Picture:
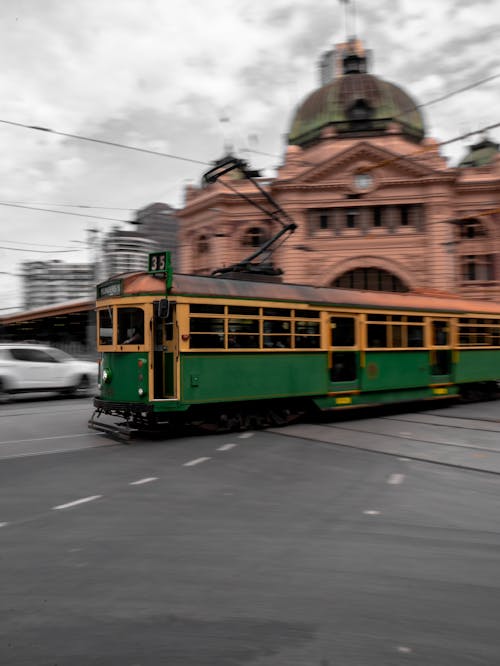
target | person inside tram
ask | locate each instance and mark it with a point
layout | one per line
(135, 331)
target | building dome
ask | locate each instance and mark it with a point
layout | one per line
(480, 154)
(356, 104)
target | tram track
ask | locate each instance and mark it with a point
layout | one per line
(443, 448)
(416, 441)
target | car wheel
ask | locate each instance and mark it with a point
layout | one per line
(81, 387)
(4, 396)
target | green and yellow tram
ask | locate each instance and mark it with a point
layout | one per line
(235, 353)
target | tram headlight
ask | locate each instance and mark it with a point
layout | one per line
(106, 375)
(141, 392)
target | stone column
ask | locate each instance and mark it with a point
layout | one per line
(440, 251)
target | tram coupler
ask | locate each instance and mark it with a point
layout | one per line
(122, 431)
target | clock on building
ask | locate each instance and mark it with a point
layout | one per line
(363, 181)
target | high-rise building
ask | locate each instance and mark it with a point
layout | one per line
(123, 251)
(158, 222)
(48, 282)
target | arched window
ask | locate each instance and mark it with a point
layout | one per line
(202, 244)
(370, 279)
(254, 237)
(478, 268)
(471, 228)
(360, 110)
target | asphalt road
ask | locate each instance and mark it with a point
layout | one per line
(297, 546)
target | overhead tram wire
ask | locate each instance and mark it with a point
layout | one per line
(66, 205)
(64, 247)
(62, 212)
(469, 86)
(449, 94)
(113, 144)
(412, 156)
(24, 249)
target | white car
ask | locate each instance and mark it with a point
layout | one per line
(32, 368)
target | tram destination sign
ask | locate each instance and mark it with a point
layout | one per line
(108, 289)
(160, 262)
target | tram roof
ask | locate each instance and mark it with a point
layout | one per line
(195, 285)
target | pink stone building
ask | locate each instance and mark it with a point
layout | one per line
(377, 206)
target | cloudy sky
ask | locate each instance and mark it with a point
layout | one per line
(187, 76)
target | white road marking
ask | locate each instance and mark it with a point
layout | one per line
(196, 461)
(226, 447)
(148, 479)
(76, 502)
(406, 434)
(371, 512)
(246, 435)
(41, 439)
(403, 649)
(396, 479)
(3, 524)
(404, 459)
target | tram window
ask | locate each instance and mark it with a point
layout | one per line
(307, 341)
(307, 314)
(277, 341)
(377, 335)
(130, 326)
(105, 327)
(415, 336)
(397, 336)
(242, 341)
(205, 308)
(440, 333)
(243, 326)
(377, 317)
(242, 310)
(276, 312)
(413, 318)
(206, 341)
(276, 326)
(343, 331)
(307, 328)
(206, 325)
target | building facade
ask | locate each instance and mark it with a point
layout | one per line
(49, 282)
(158, 222)
(377, 206)
(123, 251)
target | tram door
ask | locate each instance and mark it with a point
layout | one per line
(343, 353)
(440, 353)
(165, 351)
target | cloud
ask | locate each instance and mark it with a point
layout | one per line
(160, 75)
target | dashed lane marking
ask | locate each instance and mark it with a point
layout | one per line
(395, 479)
(3, 524)
(371, 512)
(82, 500)
(196, 461)
(226, 447)
(246, 435)
(41, 439)
(148, 479)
